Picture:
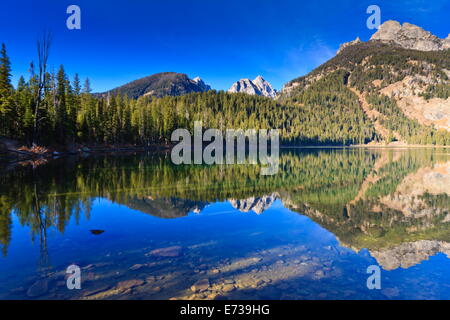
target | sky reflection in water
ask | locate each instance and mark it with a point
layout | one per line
(308, 233)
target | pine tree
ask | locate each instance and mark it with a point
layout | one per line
(76, 85)
(5, 71)
(24, 100)
(61, 108)
(87, 86)
(8, 117)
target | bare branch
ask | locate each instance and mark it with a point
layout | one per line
(43, 50)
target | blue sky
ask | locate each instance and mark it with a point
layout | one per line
(220, 41)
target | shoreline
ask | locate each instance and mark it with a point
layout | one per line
(11, 154)
(368, 147)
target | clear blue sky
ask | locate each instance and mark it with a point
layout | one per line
(220, 41)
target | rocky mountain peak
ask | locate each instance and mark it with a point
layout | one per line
(244, 85)
(256, 204)
(259, 86)
(160, 85)
(259, 79)
(409, 36)
(201, 84)
(347, 44)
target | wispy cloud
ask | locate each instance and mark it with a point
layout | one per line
(302, 59)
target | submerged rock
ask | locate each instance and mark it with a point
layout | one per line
(228, 288)
(156, 289)
(95, 291)
(127, 284)
(136, 267)
(174, 251)
(391, 292)
(88, 267)
(319, 274)
(96, 232)
(18, 290)
(200, 285)
(39, 288)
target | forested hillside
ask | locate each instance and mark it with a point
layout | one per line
(386, 74)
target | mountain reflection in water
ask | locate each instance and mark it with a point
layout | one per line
(205, 232)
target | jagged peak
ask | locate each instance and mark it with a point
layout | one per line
(201, 84)
(259, 86)
(408, 36)
(347, 44)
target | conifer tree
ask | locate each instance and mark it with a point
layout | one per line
(8, 117)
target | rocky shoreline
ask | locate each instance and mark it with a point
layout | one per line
(13, 153)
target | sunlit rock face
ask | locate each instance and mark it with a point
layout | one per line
(256, 204)
(264, 87)
(245, 86)
(409, 254)
(259, 86)
(407, 92)
(407, 36)
(410, 36)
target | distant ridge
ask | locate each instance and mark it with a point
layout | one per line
(161, 84)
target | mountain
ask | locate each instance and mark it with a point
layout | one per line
(258, 86)
(399, 80)
(409, 36)
(161, 84)
(348, 44)
(202, 85)
(256, 204)
(167, 208)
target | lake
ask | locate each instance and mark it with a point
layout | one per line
(139, 227)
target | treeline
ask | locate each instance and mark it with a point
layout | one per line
(61, 111)
(51, 109)
(48, 108)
